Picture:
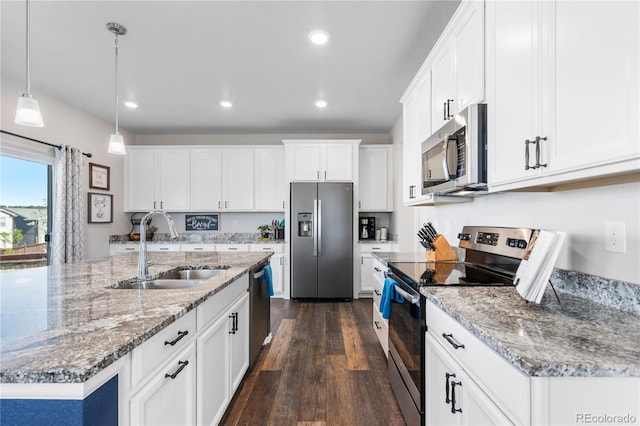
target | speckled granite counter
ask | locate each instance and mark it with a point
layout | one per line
(60, 324)
(577, 337)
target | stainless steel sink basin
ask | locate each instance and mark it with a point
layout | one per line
(193, 274)
(161, 284)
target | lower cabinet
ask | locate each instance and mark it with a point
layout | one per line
(169, 397)
(380, 325)
(453, 398)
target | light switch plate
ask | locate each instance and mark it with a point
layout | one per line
(615, 240)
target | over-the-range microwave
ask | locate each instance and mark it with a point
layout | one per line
(454, 159)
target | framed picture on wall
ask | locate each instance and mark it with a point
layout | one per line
(98, 176)
(100, 208)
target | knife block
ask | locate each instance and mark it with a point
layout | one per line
(443, 251)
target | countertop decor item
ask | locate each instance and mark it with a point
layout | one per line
(264, 232)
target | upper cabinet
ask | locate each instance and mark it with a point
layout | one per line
(376, 178)
(157, 178)
(562, 91)
(205, 178)
(321, 160)
(457, 64)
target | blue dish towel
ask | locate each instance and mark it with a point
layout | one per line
(266, 279)
(388, 294)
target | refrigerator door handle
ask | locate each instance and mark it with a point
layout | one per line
(315, 225)
(319, 220)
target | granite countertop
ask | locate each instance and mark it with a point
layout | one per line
(377, 242)
(576, 337)
(60, 324)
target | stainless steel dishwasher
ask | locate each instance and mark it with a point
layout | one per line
(260, 313)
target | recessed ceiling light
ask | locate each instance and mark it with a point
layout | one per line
(226, 104)
(319, 37)
(130, 104)
(321, 104)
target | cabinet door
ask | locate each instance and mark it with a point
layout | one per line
(238, 172)
(277, 273)
(269, 179)
(423, 117)
(206, 179)
(169, 398)
(439, 373)
(239, 342)
(173, 177)
(596, 89)
(514, 87)
(443, 93)
(375, 183)
(468, 37)
(140, 180)
(366, 273)
(303, 162)
(410, 151)
(214, 380)
(337, 162)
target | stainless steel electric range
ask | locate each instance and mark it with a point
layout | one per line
(492, 257)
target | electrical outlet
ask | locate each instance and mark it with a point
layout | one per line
(615, 240)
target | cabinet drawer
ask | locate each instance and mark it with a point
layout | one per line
(232, 247)
(198, 247)
(163, 247)
(161, 347)
(276, 248)
(220, 302)
(123, 248)
(378, 273)
(505, 385)
(381, 327)
(374, 248)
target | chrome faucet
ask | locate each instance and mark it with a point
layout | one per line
(143, 266)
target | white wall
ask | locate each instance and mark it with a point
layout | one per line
(67, 125)
(581, 213)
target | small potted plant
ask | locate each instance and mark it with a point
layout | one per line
(264, 232)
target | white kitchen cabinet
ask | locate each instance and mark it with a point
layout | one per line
(453, 398)
(321, 160)
(366, 251)
(157, 178)
(169, 397)
(232, 247)
(159, 247)
(222, 179)
(239, 342)
(276, 262)
(270, 188)
(550, 83)
(123, 248)
(457, 64)
(206, 179)
(380, 325)
(411, 157)
(198, 247)
(376, 178)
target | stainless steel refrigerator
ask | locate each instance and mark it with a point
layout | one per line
(322, 240)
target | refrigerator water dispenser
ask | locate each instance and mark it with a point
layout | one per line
(305, 225)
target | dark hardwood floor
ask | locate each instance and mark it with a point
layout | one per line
(324, 366)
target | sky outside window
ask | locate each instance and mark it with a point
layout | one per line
(22, 183)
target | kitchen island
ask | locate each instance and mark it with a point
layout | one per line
(66, 332)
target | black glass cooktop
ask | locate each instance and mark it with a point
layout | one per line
(449, 274)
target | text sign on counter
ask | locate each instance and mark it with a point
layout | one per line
(201, 222)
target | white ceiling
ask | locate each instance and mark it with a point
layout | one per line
(179, 59)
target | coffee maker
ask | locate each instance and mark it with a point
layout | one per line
(367, 229)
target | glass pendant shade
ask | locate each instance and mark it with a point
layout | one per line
(28, 112)
(116, 144)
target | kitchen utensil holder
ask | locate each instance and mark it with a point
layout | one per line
(443, 251)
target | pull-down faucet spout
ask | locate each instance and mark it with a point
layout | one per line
(143, 266)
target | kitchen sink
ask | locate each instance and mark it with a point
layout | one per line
(160, 284)
(194, 274)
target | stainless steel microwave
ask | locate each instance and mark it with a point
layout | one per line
(454, 159)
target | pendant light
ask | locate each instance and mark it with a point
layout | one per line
(116, 141)
(28, 110)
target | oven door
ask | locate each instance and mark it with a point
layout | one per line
(406, 353)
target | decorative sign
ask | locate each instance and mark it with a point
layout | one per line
(201, 222)
(98, 176)
(100, 208)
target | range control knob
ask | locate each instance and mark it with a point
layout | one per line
(464, 237)
(512, 242)
(522, 244)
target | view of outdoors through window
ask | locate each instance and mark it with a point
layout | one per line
(24, 214)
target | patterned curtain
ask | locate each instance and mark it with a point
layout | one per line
(67, 243)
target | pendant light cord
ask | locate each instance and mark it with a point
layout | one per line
(117, 84)
(28, 49)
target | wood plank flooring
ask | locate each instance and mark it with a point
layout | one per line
(324, 366)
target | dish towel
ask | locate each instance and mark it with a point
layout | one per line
(388, 294)
(266, 279)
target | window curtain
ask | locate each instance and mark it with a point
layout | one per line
(67, 243)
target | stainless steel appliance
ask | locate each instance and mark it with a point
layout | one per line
(491, 259)
(259, 313)
(454, 159)
(322, 240)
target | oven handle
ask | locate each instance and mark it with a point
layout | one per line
(414, 299)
